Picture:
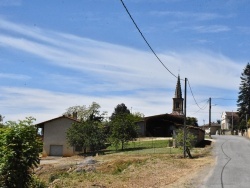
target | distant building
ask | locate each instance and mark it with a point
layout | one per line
(228, 120)
(54, 136)
(213, 129)
(162, 125)
(165, 125)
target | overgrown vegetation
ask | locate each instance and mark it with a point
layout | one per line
(123, 169)
(190, 138)
(133, 166)
(19, 153)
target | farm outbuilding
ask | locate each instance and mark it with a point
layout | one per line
(54, 136)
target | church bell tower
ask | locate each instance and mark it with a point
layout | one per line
(178, 100)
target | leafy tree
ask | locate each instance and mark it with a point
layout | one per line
(120, 109)
(19, 153)
(192, 121)
(190, 138)
(83, 112)
(242, 125)
(78, 110)
(243, 101)
(87, 134)
(218, 121)
(122, 129)
(234, 122)
(90, 131)
(138, 116)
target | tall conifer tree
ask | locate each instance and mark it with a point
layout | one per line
(243, 101)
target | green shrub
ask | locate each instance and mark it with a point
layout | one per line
(19, 153)
(190, 138)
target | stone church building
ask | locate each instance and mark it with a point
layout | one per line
(163, 125)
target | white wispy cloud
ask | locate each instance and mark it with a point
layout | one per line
(37, 102)
(18, 103)
(191, 16)
(10, 2)
(202, 41)
(196, 21)
(211, 28)
(14, 76)
(142, 81)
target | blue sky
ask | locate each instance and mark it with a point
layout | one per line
(57, 54)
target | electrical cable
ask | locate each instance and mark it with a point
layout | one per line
(193, 95)
(203, 108)
(225, 99)
(125, 7)
(206, 100)
(146, 39)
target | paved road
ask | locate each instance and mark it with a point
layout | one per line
(232, 169)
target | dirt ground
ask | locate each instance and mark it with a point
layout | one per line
(137, 171)
(120, 170)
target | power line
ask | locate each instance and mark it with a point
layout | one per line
(194, 97)
(200, 112)
(225, 99)
(203, 108)
(146, 39)
(154, 51)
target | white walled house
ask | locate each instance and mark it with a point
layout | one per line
(227, 118)
(54, 136)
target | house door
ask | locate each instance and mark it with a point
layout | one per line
(56, 150)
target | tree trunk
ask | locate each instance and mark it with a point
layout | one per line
(122, 145)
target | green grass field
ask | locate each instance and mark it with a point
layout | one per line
(145, 147)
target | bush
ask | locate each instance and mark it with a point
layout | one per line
(190, 139)
(19, 153)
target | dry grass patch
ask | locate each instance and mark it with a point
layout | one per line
(126, 170)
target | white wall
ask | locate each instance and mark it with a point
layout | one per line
(55, 134)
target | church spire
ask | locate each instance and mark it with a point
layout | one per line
(178, 93)
(178, 100)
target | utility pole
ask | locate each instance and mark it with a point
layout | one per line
(209, 112)
(246, 126)
(210, 117)
(232, 123)
(185, 116)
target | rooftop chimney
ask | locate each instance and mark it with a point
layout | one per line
(75, 115)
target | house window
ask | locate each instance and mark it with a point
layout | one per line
(78, 148)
